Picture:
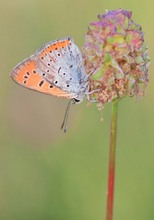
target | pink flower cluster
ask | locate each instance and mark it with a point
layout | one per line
(116, 55)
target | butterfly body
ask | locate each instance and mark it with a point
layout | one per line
(55, 69)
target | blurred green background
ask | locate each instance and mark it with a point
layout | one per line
(46, 174)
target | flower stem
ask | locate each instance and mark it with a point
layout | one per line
(112, 158)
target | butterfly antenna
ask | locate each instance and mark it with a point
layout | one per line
(64, 124)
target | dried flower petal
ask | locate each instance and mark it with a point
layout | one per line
(115, 52)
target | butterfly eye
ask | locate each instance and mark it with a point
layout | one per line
(77, 101)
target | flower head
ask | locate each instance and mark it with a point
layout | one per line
(116, 55)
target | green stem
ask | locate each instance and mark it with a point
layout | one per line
(112, 159)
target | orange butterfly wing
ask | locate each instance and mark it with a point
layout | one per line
(26, 75)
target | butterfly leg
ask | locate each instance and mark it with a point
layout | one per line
(91, 92)
(90, 74)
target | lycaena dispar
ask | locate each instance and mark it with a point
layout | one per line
(55, 69)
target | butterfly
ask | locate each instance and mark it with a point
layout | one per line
(55, 69)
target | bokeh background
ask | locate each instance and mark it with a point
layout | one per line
(46, 174)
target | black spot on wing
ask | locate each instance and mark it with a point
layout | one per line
(41, 83)
(59, 69)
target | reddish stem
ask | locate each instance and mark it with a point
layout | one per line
(112, 158)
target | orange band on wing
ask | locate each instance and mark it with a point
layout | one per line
(26, 75)
(56, 45)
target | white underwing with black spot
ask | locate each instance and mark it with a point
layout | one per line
(63, 67)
